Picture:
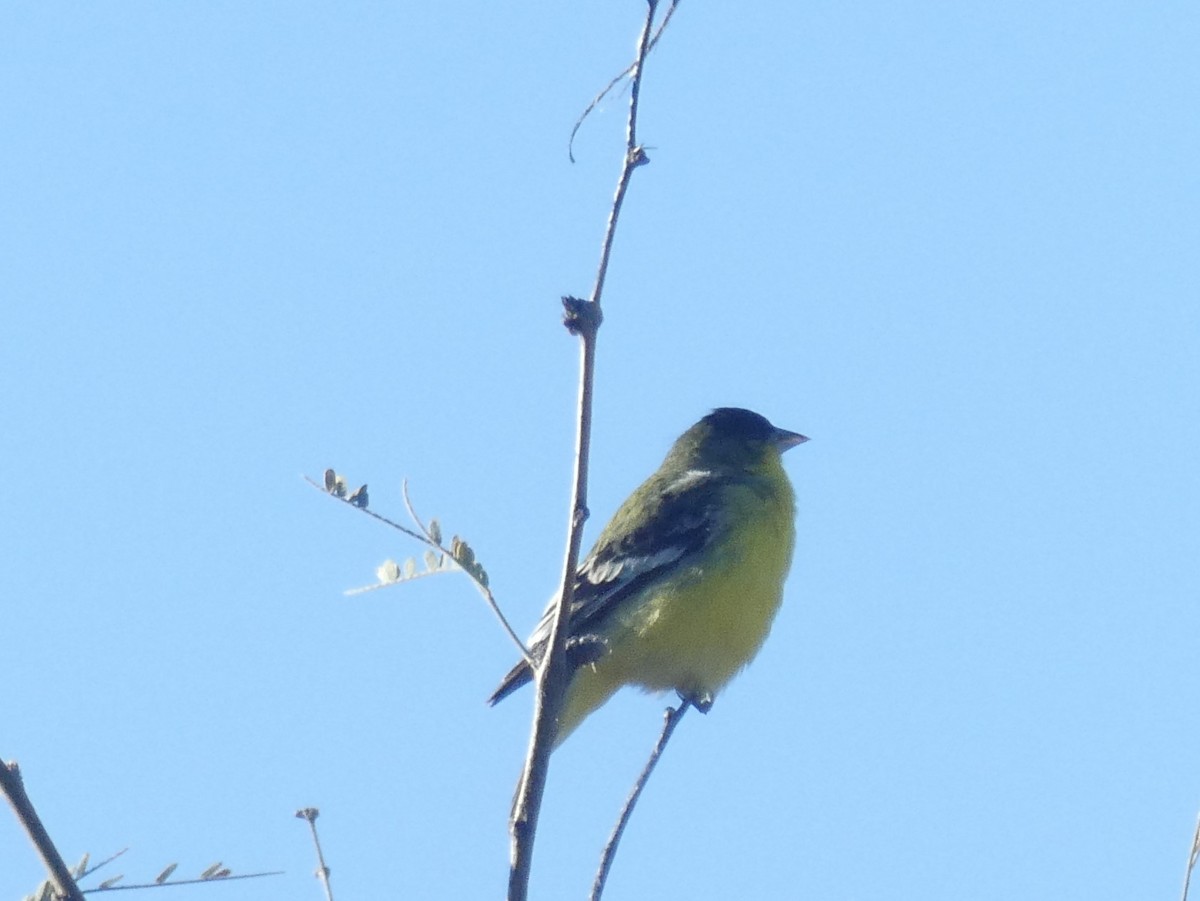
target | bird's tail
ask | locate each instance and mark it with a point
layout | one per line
(586, 693)
(519, 675)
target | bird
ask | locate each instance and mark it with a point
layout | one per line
(681, 587)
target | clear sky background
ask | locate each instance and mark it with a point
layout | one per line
(954, 243)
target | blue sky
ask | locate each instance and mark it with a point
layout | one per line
(955, 244)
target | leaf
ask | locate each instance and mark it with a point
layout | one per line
(208, 874)
(80, 868)
(388, 572)
(431, 561)
(165, 874)
(335, 484)
(109, 883)
(410, 568)
(462, 552)
(464, 556)
(435, 531)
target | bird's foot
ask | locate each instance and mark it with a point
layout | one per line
(702, 701)
(585, 649)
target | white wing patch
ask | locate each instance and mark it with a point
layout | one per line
(689, 479)
(630, 567)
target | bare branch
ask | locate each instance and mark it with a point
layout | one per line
(1193, 855)
(13, 788)
(671, 718)
(617, 80)
(582, 319)
(310, 814)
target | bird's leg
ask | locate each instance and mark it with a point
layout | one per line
(702, 701)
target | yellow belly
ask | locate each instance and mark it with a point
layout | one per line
(696, 631)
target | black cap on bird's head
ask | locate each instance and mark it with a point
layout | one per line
(731, 432)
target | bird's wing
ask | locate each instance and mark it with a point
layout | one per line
(657, 530)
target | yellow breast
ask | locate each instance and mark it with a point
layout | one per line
(694, 631)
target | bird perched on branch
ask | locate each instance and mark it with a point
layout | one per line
(681, 587)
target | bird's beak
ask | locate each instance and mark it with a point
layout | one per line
(783, 439)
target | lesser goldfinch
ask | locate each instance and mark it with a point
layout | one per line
(681, 587)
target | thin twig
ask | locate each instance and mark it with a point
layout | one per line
(229, 878)
(430, 540)
(425, 538)
(412, 513)
(383, 519)
(423, 574)
(92, 869)
(1192, 858)
(13, 789)
(582, 319)
(310, 814)
(671, 718)
(616, 80)
(635, 156)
